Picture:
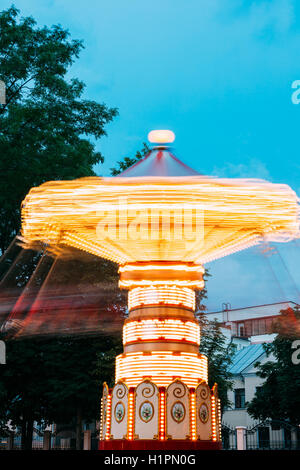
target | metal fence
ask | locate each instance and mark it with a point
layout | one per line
(267, 435)
(13, 442)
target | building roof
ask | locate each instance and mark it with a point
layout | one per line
(283, 303)
(159, 162)
(245, 357)
(255, 311)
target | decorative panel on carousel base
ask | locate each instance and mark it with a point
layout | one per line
(177, 411)
(203, 412)
(146, 411)
(119, 411)
(152, 418)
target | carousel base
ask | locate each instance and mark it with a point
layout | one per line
(146, 444)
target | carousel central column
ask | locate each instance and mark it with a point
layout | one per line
(161, 337)
(161, 391)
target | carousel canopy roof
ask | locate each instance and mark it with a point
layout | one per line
(158, 210)
(159, 162)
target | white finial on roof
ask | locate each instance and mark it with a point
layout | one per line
(161, 136)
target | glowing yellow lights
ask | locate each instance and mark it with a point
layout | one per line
(161, 230)
(130, 422)
(219, 420)
(193, 415)
(162, 280)
(158, 329)
(162, 367)
(213, 418)
(92, 247)
(161, 295)
(101, 420)
(108, 417)
(163, 136)
(162, 414)
(155, 218)
(145, 283)
(161, 267)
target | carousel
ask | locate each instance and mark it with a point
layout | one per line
(161, 221)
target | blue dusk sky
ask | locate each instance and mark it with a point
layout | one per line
(219, 73)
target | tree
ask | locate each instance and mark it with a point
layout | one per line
(57, 361)
(77, 368)
(21, 388)
(214, 346)
(51, 380)
(45, 123)
(128, 161)
(279, 396)
(219, 355)
(45, 126)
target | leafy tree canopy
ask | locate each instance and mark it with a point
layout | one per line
(45, 129)
(128, 161)
(45, 124)
(219, 353)
(214, 345)
(279, 396)
(52, 380)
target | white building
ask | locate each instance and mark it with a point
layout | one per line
(250, 321)
(245, 381)
(249, 328)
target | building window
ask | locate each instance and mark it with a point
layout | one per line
(241, 329)
(239, 398)
(255, 327)
(263, 437)
(262, 326)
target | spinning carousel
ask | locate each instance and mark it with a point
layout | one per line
(161, 221)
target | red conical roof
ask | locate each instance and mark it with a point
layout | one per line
(159, 162)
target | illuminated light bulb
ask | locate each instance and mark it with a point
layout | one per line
(163, 136)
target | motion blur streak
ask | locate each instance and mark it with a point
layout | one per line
(61, 296)
(124, 219)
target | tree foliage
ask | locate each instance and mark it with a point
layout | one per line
(279, 396)
(56, 374)
(45, 124)
(219, 355)
(53, 380)
(129, 161)
(45, 129)
(214, 345)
